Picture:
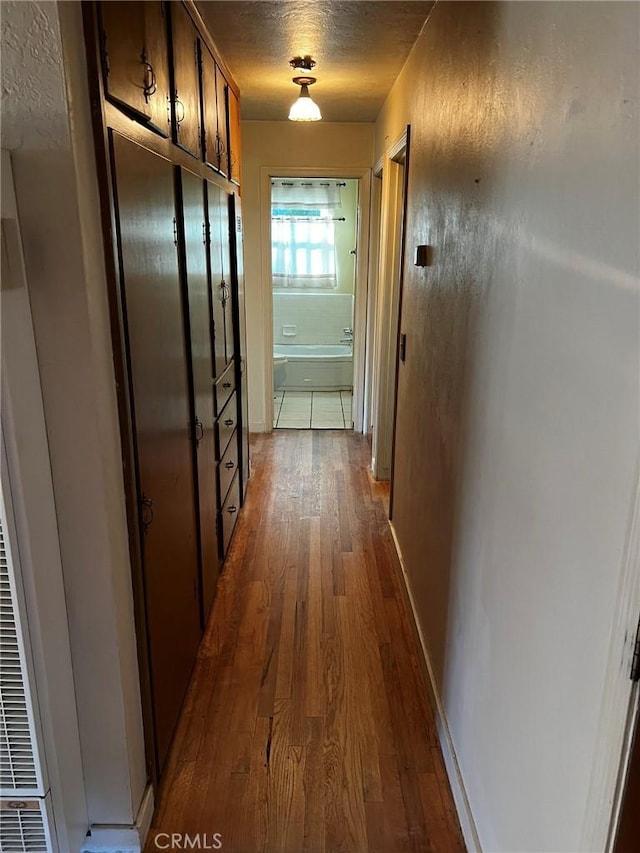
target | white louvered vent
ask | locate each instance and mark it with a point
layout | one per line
(18, 769)
(25, 817)
(24, 830)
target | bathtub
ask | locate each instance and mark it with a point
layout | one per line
(312, 368)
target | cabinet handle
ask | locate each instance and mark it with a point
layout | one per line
(232, 509)
(147, 513)
(220, 149)
(229, 465)
(226, 385)
(181, 105)
(150, 82)
(229, 422)
(199, 426)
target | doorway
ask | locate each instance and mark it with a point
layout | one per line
(360, 178)
(314, 225)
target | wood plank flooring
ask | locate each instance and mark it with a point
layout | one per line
(307, 726)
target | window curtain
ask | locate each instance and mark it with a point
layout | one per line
(324, 195)
(303, 234)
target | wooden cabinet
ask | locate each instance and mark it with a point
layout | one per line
(194, 260)
(240, 332)
(178, 320)
(157, 67)
(223, 130)
(229, 513)
(133, 42)
(186, 81)
(219, 270)
(227, 469)
(235, 150)
(226, 426)
(214, 115)
(159, 389)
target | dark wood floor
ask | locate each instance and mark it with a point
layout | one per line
(307, 725)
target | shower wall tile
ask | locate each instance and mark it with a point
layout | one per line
(319, 318)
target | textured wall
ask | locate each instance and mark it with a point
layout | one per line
(517, 429)
(46, 124)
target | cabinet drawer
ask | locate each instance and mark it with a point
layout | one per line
(225, 386)
(225, 426)
(227, 467)
(229, 514)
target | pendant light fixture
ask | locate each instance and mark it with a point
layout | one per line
(305, 108)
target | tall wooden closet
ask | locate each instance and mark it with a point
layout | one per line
(167, 138)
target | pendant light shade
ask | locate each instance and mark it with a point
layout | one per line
(305, 108)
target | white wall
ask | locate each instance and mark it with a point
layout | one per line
(46, 125)
(282, 145)
(518, 411)
(319, 318)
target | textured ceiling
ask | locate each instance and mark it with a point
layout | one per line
(360, 47)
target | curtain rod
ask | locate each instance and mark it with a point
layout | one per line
(308, 219)
(309, 183)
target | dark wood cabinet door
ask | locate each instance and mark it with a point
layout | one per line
(223, 132)
(229, 281)
(210, 110)
(186, 82)
(153, 311)
(157, 66)
(235, 148)
(122, 34)
(240, 327)
(195, 259)
(134, 60)
(216, 213)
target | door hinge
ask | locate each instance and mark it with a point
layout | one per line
(105, 54)
(146, 507)
(635, 662)
(175, 232)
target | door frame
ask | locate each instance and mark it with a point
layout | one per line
(621, 701)
(363, 176)
(392, 169)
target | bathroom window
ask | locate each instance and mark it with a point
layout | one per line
(303, 248)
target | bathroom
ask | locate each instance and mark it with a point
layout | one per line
(313, 232)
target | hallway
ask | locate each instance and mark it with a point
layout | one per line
(307, 725)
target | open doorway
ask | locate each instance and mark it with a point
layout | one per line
(314, 229)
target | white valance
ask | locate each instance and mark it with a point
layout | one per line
(305, 193)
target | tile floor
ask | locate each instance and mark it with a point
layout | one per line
(312, 410)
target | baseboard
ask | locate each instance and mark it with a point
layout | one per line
(463, 807)
(122, 839)
(257, 426)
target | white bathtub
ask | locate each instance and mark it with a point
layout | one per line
(312, 368)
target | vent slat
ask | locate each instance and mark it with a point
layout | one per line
(18, 769)
(23, 831)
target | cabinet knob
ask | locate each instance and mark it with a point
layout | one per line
(226, 385)
(229, 465)
(229, 422)
(232, 509)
